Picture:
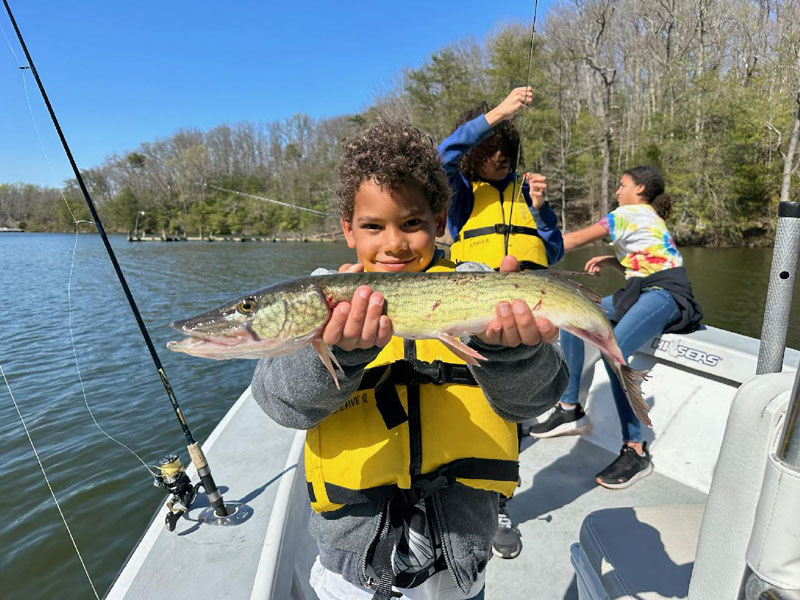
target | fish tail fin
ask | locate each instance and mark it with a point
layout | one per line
(631, 381)
(326, 355)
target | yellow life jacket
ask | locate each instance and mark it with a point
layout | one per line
(418, 422)
(482, 238)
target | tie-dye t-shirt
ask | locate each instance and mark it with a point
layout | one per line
(641, 240)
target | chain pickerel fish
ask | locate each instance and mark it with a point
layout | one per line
(286, 316)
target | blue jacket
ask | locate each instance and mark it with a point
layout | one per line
(452, 150)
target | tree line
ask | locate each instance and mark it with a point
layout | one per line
(707, 89)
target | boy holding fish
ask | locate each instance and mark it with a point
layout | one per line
(409, 450)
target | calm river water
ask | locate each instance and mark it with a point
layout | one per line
(105, 493)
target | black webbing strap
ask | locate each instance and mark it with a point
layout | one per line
(493, 469)
(409, 372)
(311, 495)
(386, 399)
(425, 485)
(500, 228)
(418, 372)
(343, 495)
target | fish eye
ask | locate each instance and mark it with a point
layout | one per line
(246, 306)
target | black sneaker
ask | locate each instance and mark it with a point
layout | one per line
(560, 422)
(627, 469)
(507, 542)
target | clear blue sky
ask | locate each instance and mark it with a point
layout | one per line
(122, 73)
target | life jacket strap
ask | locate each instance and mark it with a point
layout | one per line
(425, 485)
(409, 372)
(417, 372)
(500, 228)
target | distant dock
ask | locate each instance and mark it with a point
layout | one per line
(317, 237)
(11, 230)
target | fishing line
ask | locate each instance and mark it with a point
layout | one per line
(311, 210)
(514, 194)
(76, 222)
(77, 364)
(50, 487)
(195, 451)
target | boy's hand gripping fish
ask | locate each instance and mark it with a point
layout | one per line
(286, 316)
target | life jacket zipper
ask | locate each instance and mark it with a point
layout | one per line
(437, 519)
(384, 514)
(414, 417)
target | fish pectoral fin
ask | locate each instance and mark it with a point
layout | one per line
(460, 349)
(326, 355)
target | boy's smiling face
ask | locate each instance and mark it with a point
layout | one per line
(392, 229)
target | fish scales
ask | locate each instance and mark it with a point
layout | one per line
(284, 317)
(443, 302)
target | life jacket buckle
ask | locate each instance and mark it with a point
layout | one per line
(375, 585)
(427, 485)
(502, 228)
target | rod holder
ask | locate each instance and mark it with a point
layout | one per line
(778, 305)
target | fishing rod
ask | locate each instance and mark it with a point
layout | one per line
(172, 477)
(521, 127)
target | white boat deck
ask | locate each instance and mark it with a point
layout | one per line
(557, 492)
(269, 556)
(247, 453)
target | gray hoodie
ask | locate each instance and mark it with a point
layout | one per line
(298, 392)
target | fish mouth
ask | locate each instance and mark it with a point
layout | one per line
(208, 338)
(209, 346)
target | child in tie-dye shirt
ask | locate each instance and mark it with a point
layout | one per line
(642, 242)
(657, 298)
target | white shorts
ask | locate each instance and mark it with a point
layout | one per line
(439, 586)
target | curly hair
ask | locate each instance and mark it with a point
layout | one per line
(393, 154)
(505, 139)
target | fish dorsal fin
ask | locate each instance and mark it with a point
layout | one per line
(566, 278)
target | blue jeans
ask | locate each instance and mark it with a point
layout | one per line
(653, 312)
(480, 595)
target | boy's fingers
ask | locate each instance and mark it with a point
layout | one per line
(385, 331)
(492, 333)
(333, 330)
(369, 332)
(358, 312)
(510, 334)
(547, 330)
(526, 326)
(509, 264)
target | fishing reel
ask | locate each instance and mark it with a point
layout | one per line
(174, 479)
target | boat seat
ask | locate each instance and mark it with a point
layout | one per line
(640, 553)
(648, 553)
